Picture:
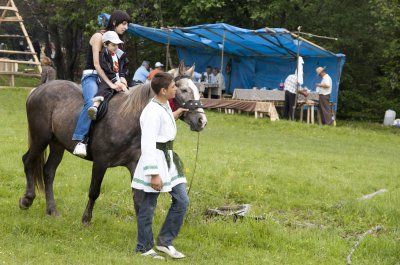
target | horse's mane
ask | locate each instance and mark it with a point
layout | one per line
(137, 98)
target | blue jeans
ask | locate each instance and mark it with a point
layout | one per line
(173, 221)
(89, 90)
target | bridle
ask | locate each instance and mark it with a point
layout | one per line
(192, 105)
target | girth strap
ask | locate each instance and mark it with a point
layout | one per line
(176, 159)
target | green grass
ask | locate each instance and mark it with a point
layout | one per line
(291, 173)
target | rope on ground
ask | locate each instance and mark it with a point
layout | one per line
(368, 196)
(372, 230)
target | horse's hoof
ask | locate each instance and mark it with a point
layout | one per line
(86, 221)
(53, 212)
(25, 203)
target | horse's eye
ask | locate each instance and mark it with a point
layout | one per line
(184, 90)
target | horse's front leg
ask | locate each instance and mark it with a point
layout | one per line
(98, 171)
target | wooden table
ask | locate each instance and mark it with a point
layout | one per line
(210, 87)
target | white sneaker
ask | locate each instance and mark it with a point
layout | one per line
(151, 253)
(171, 251)
(92, 113)
(80, 150)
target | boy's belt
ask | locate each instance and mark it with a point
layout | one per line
(165, 147)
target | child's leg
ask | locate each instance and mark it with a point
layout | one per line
(147, 206)
(92, 111)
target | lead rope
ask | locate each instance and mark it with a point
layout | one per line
(195, 163)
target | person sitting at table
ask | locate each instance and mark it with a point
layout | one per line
(219, 79)
(207, 75)
(290, 87)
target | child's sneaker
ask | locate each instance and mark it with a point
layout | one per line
(92, 112)
(80, 150)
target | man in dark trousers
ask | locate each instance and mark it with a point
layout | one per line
(324, 90)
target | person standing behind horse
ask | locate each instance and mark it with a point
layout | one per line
(118, 22)
(158, 68)
(159, 170)
(48, 72)
(110, 61)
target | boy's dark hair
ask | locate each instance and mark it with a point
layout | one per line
(161, 80)
(209, 67)
(116, 18)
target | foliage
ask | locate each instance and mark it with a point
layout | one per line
(368, 33)
(305, 180)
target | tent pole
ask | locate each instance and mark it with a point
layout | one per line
(222, 53)
(167, 53)
(297, 73)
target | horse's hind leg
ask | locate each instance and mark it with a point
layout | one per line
(33, 161)
(49, 171)
(98, 171)
(26, 201)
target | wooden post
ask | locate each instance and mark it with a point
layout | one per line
(167, 53)
(297, 76)
(222, 65)
(12, 79)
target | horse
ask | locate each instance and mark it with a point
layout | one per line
(52, 112)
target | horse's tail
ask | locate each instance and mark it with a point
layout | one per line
(38, 165)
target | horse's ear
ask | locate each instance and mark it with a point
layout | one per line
(181, 67)
(190, 71)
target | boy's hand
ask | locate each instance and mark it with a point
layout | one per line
(177, 113)
(119, 86)
(156, 182)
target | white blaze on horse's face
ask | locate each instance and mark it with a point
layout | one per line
(196, 95)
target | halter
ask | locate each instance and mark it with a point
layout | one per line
(192, 105)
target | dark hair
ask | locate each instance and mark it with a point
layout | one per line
(161, 80)
(116, 18)
(209, 66)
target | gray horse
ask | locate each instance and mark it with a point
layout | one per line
(52, 112)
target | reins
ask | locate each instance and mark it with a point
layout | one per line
(195, 163)
(192, 106)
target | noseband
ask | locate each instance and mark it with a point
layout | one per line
(192, 105)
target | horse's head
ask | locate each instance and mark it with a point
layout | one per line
(188, 97)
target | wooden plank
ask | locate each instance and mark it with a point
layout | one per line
(35, 58)
(10, 19)
(11, 36)
(3, 15)
(18, 61)
(16, 52)
(20, 73)
(8, 8)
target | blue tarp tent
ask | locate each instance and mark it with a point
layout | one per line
(258, 58)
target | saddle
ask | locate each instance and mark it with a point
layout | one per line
(102, 109)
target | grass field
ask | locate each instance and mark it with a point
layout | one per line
(304, 179)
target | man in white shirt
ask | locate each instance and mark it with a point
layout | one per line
(207, 75)
(290, 87)
(324, 90)
(219, 79)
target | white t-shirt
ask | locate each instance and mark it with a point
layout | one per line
(326, 80)
(115, 65)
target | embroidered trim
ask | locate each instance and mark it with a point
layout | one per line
(148, 184)
(150, 167)
(166, 109)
